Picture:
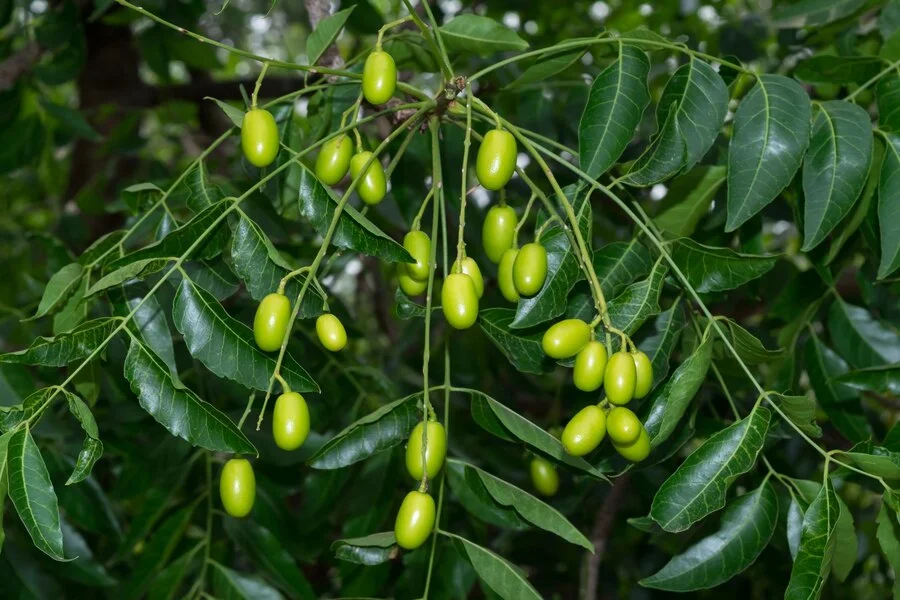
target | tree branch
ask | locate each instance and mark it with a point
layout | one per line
(603, 522)
(16, 65)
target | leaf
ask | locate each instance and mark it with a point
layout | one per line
(614, 108)
(700, 484)
(139, 269)
(522, 349)
(889, 208)
(471, 494)
(619, 264)
(747, 526)
(816, 546)
(231, 585)
(234, 114)
(747, 345)
(801, 410)
(486, 409)
(180, 411)
(325, 33)
(887, 94)
(353, 231)
(668, 404)
(711, 269)
(32, 494)
(168, 582)
(878, 380)
(530, 508)
(479, 35)
(226, 346)
(370, 550)
(689, 115)
(876, 460)
(501, 577)
(202, 193)
(4, 480)
(548, 65)
(771, 134)
(216, 277)
(888, 535)
(638, 302)
(862, 340)
(158, 550)
(839, 401)
(811, 13)
(377, 431)
(828, 68)
(71, 121)
(835, 168)
(659, 346)
(563, 270)
(846, 546)
(681, 219)
(99, 253)
(62, 284)
(92, 449)
(63, 349)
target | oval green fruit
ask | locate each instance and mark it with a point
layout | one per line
(544, 476)
(618, 381)
(470, 267)
(290, 421)
(590, 365)
(585, 431)
(496, 160)
(379, 77)
(418, 244)
(410, 286)
(505, 275)
(271, 321)
(530, 269)
(331, 332)
(498, 231)
(372, 187)
(459, 301)
(237, 487)
(623, 426)
(643, 374)
(334, 159)
(566, 338)
(636, 451)
(259, 137)
(415, 520)
(434, 453)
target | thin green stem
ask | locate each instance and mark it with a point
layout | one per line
(432, 36)
(894, 65)
(388, 26)
(399, 154)
(467, 142)
(523, 219)
(418, 218)
(259, 80)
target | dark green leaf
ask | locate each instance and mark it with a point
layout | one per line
(889, 207)
(710, 269)
(888, 535)
(522, 349)
(811, 13)
(370, 550)
(659, 346)
(166, 584)
(840, 402)
(231, 585)
(471, 494)
(62, 284)
(828, 68)
(846, 546)
(548, 65)
(325, 33)
(202, 193)
(234, 114)
(29, 138)
(159, 550)
(479, 35)
(749, 348)
(268, 554)
(92, 449)
(816, 546)
(681, 219)
(70, 120)
(139, 269)
(878, 461)
(801, 410)
(887, 95)
(619, 264)
(878, 380)
(501, 577)
(216, 277)
(638, 302)
(860, 338)
(62, 349)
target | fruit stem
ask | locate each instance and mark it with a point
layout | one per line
(418, 219)
(259, 80)
(484, 107)
(247, 410)
(286, 389)
(283, 283)
(388, 26)
(523, 219)
(461, 241)
(433, 38)
(543, 227)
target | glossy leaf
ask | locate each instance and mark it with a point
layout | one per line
(659, 346)
(62, 284)
(829, 68)
(151, 325)
(887, 93)
(638, 302)
(748, 346)
(801, 410)
(325, 33)
(889, 207)
(681, 219)
(888, 535)
(370, 550)
(840, 402)
(710, 269)
(878, 380)
(231, 585)
(472, 495)
(861, 339)
(548, 65)
(876, 460)
(811, 13)
(138, 270)
(619, 264)
(846, 546)
(479, 35)
(202, 193)
(522, 349)
(92, 449)
(816, 546)
(62, 349)
(504, 579)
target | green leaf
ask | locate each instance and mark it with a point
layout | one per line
(377, 431)
(70, 120)
(4, 480)
(816, 546)
(887, 96)
(62, 284)
(474, 34)
(99, 253)
(522, 349)
(888, 535)
(471, 494)
(878, 380)
(700, 484)
(534, 511)
(659, 346)
(711, 269)
(638, 302)
(689, 115)
(771, 134)
(839, 401)
(166, 584)
(231, 585)
(889, 207)
(828, 68)
(83, 568)
(234, 114)
(835, 168)
(801, 410)
(216, 277)
(681, 219)
(619, 264)
(226, 346)
(158, 550)
(32, 494)
(501, 577)
(614, 108)
(30, 136)
(668, 404)
(35, 402)
(548, 65)
(407, 309)
(63, 349)
(139, 269)
(563, 270)
(860, 338)
(846, 545)
(180, 411)
(370, 550)
(812, 13)
(862, 208)
(202, 193)
(151, 325)
(876, 460)
(747, 526)
(92, 449)
(487, 410)
(353, 231)
(747, 345)
(325, 33)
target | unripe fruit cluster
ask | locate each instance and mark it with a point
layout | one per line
(415, 519)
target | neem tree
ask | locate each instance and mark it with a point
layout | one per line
(590, 315)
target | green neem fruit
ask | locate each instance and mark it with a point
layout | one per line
(331, 332)
(459, 301)
(566, 338)
(505, 275)
(498, 231)
(418, 244)
(237, 487)
(259, 137)
(271, 321)
(415, 520)
(643, 371)
(530, 270)
(434, 454)
(290, 421)
(636, 451)
(496, 160)
(372, 187)
(379, 77)
(334, 159)
(590, 365)
(585, 431)
(623, 426)
(544, 476)
(470, 268)
(618, 381)
(409, 285)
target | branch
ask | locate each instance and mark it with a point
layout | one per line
(16, 65)
(603, 522)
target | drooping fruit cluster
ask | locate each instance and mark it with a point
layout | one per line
(415, 519)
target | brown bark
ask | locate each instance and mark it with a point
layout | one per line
(603, 522)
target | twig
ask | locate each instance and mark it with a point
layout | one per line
(603, 523)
